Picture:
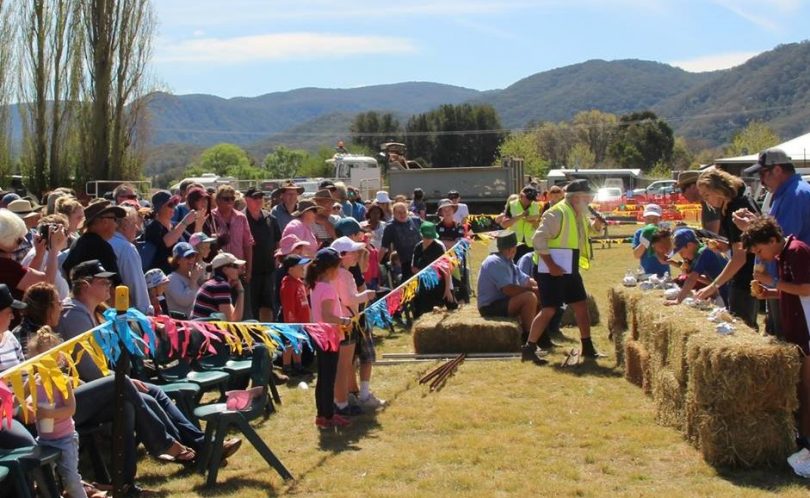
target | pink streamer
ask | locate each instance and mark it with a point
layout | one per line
(394, 301)
(326, 335)
(6, 404)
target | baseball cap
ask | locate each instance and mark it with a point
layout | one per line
(155, 277)
(160, 199)
(768, 158)
(347, 226)
(506, 240)
(200, 238)
(7, 300)
(345, 244)
(681, 238)
(225, 259)
(183, 250)
(89, 269)
(327, 255)
(294, 260)
(652, 210)
(254, 193)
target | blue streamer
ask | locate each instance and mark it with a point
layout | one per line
(429, 278)
(295, 334)
(122, 333)
(108, 341)
(377, 315)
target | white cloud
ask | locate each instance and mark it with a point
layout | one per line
(767, 14)
(713, 62)
(279, 46)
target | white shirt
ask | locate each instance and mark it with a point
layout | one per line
(462, 212)
(130, 269)
(60, 283)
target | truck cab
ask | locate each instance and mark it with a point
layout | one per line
(361, 172)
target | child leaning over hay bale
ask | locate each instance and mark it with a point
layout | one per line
(764, 238)
(703, 264)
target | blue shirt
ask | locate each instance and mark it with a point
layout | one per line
(791, 208)
(526, 263)
(358, 211)
(711, 264)
(496, 273)
(180, 212)
(649, 261)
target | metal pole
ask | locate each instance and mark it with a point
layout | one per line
(121, 369)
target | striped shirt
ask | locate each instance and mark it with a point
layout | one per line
(213, 293)
(11, 352)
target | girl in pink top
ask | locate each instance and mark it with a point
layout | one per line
(55, 420)
(326, 308)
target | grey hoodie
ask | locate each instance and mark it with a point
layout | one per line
(77, 319)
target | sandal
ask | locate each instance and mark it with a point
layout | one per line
(92, 491)
(181, 454)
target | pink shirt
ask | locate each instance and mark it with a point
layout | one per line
(303, 232)
(350, 299)
(62, 427)
(237, 229)
(323, 291)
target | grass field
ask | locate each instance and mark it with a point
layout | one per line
(497, 428)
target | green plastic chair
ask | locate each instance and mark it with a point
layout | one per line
(218, 419)
(35, 462)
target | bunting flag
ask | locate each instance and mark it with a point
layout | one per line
(6, 405)
(327, 336)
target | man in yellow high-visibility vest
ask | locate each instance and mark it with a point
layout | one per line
(562, 247)
(522, 216)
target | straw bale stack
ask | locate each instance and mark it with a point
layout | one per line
(637, 365)
(464, 331)
(593, 310)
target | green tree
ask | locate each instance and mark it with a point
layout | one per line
(752, 139)
(642, 140)
(524, 145)
(581, 157)
(596, 129)
(682, 156)
(284, 162)
(221, 159)
(370, 129)
(315, 164)
(555, 141)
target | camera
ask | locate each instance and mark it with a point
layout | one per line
(45, 230)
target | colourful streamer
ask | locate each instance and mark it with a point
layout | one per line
(6, 405)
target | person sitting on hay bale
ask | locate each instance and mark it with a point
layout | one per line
(504, 290)
(764, 238)
(424, 254)
(563, 233)
(642, 242)
(701, 264)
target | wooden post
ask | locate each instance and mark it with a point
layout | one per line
(121, 369)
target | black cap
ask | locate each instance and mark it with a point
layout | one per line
(326, 184)
(579, 187)
(89, 269)
(254, 193)
(453, 193)
(530, 192)
(506, 240)
(294, 260)
(327, 255)
(7, 300)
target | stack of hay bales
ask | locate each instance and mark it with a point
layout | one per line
(464, 331)
(732, 396)
(568, 319)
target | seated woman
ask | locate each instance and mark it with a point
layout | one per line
(425, 253)
(223, 293)
(184, 280)
(450, 232)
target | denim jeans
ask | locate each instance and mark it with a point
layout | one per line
(177, 425)
(68, 464)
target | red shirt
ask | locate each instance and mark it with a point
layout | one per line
(294, 304)
(793, 267)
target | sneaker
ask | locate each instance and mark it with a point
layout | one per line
(323, 422)
(589, 351)
(800, 462)
(528, 352)
(353, 399)
(339, 421)
(372, 402)
(349, 411)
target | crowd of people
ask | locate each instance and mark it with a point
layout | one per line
(201, 254)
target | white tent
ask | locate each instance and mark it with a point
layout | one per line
(797, 149)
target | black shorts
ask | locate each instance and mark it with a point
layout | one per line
(499, 308)
(556, 291)
(262, 290)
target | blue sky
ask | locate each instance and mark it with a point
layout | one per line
(252, 47)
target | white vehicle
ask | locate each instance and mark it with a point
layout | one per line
(657, 188)
(209, 180)
(608, 194)
(361, 172)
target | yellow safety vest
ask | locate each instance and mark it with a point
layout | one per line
(522, 228)
(568, 238)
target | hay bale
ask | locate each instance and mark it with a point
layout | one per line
(742, 373)
(617, 321)
(747, 440)
(669, 396)
(464, 331)
(593, 310)
(637, 365)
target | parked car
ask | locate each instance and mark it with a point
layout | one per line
(659, 187)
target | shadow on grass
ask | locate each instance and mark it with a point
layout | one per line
(591, 367)
(236, 486)
(772, 480)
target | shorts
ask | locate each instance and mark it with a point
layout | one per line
(262, 290)
(365, 350)
(556, 291)
(499, 308)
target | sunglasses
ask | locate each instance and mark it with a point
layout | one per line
(227, 199)
(129, 196)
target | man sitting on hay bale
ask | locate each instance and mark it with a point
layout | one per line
(504, 290)
(764, 238)
(562, 247)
